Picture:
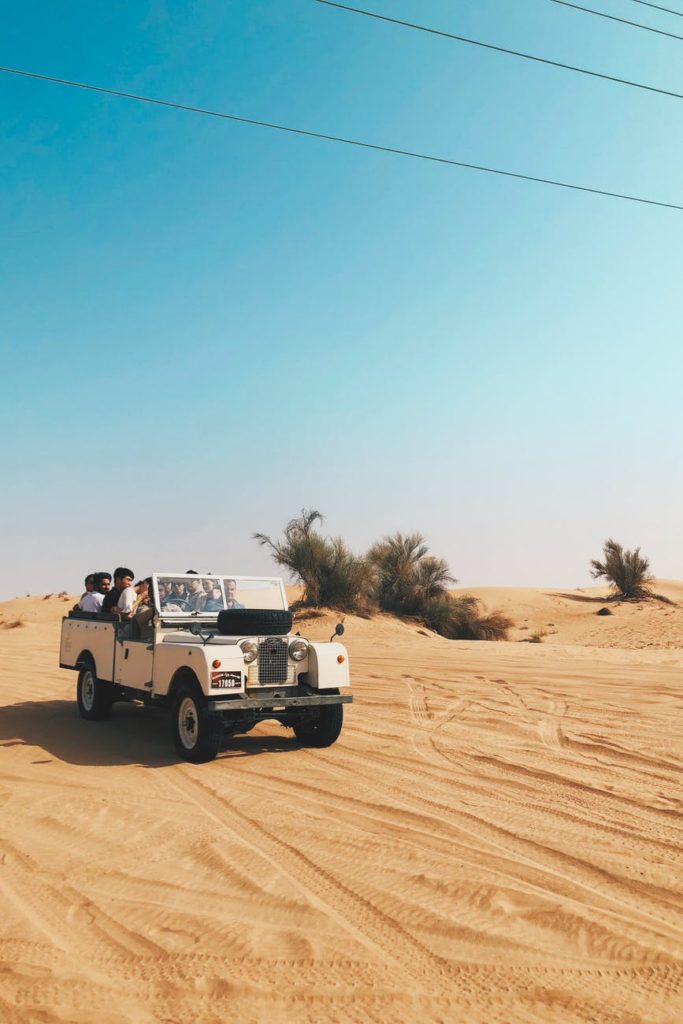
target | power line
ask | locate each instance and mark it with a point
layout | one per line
(332, 138)
(667, 10)
(622, 21)
(500, 49)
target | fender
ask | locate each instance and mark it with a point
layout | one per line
(324, 666)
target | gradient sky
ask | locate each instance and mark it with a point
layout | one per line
(205, 327)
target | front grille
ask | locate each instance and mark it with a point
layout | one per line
(272, 661)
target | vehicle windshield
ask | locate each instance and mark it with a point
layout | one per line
(182, 594)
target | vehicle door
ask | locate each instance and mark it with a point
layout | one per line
(133, 663)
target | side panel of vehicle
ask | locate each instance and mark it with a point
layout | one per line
(133, 662)
(87, 635)
(325, 670)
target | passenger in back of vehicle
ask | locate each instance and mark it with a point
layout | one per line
(140, 626)
(92, 602)
(89, 583)
(123, 581)
(144, 610)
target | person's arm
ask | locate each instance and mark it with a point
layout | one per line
(126, 603)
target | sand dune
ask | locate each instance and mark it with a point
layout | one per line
(496, 837)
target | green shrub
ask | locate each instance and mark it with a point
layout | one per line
(397, 575)
(408, 581)
(331, 575)
(405, 576)
(627, 572)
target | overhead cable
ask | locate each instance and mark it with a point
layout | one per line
(612, 17)
(331, 138)
(667, 10)
(500, 49)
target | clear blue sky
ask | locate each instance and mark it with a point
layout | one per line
(206, 326)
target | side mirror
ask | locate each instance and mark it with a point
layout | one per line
(338, 631)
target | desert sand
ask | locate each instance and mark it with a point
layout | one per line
(496, 837)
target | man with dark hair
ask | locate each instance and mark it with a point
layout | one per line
(196, 597)
(89, 583)
(123, 580)
(92, 602)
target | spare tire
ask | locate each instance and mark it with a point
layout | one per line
(254, 622)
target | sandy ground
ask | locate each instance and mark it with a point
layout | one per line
(496, 837)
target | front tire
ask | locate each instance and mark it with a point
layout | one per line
(93, 695)
(324, 729)
(196, 731)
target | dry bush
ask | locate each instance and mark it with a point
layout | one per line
(406, 578)
(460, 618)
(13, 623)
(397, 575)
(627, 572)
(47, 597)
(331, 575)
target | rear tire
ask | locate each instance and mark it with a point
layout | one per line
(196, 731)
(94, 696)
(324, 729)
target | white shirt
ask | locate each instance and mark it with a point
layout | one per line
(91, 602)
(127, 600)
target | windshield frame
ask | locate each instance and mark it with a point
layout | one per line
(220, 579)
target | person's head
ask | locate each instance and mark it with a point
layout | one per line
(102, 582)
(208, 585)
(90, 582)
(194, 585)
(123, 578)
(149, 591)
(216, 592)
(178, 588)
(230, 590)
(163, 589)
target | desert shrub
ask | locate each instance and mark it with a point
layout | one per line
(460, 617)
(408, 581)
(406, 578)
(13, 623)
(627, 572)
(331, 575)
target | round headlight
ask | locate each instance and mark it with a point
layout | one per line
(298, 649)
(249, 650)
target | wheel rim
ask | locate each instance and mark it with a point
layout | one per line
(88, 690)
(188, 727)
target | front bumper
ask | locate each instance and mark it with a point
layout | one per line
(266, 703)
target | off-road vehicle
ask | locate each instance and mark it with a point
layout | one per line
(219, 651)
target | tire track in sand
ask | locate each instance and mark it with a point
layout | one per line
(72, 923)
(574, 878)
(377, 931)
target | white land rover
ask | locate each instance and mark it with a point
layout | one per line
(220, 652)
